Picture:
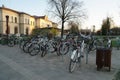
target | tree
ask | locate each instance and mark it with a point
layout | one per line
(45, 31)
(115, 31)
(106, 26)
(73, 27)
(66, 10)
(93, 28)
(40, 31)
(54, 32)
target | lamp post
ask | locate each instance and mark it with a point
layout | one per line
(93, 29)
(7, 26)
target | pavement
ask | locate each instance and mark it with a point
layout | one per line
(17, 65)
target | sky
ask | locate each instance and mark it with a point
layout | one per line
(97, 10)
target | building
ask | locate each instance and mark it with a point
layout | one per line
(85, 31)
(42, 22)
(13, 20)
(21, 22)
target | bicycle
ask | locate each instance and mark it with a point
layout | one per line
(49, 46)
(13, 40)
(92, 43)
(77, 55)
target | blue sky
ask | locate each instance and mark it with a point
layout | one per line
(97, 10)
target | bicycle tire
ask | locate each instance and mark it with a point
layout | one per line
(73, 62)
(11, 43)
(72, 65)
(22, 42)
(63, 49)
(43, 51)
(25, 47)
(92, 47)
(34, 49)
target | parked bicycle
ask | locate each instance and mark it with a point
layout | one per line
(13, 40)
(77, 54)
(49, 46)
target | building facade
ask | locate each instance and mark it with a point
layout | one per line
(42, 22)
(13, 20)
(22, 23)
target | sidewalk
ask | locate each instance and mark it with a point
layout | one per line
(22, 66)
(7, 73)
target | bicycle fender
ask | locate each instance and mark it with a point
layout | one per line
(73, 54)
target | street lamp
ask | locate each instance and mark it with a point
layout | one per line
(93, 29)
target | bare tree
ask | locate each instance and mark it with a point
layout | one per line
(73, 27)
(106, 26)
(66, 10)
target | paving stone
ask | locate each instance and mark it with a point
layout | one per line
(51, 67)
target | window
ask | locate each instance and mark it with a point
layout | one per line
(15, 19)
(31, 22)
(15, 30)
(25, 21)
(28, 21)
(12, 19)
(27, 31)
(48, 25)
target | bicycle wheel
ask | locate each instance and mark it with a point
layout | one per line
(26, 46)
(63, 49)
(50, 47)
(43, 51)
(11, 43)
(34, 49)
(21, 44)
(73, 61)
(92, 47)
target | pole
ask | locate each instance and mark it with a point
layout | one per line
(7, 27)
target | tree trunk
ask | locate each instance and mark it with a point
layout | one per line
(62, 30)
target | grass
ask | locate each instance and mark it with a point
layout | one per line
(114, 43)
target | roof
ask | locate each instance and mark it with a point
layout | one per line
(25, 13)
(43, 17)
(9, 9)
(14, 11)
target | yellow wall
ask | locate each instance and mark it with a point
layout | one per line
(45, 23)
(11, 23)
(1, 21)
(32, 24)
(26, 23)
(0, 14)
(38, 23)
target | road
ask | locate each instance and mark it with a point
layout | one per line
(17, 65)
